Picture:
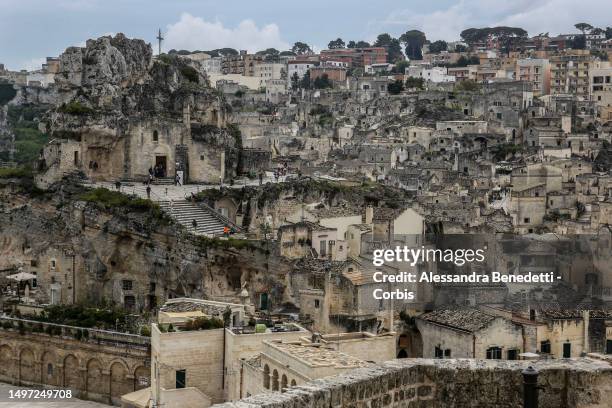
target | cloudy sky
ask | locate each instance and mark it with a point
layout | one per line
(33, 29)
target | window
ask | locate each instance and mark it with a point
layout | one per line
(447, 353)
(438, 353)
(526, 220)
(545, 347)
(494, 353)
(155, 136)
(49, 369)
(513, 354)
(126, 284)
(316, 303)
(181, 378)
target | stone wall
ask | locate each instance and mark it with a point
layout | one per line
(102, 367)
(449, 383)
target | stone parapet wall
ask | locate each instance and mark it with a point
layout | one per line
(94, 368)
(449, 383)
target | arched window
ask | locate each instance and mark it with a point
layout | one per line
(155, 136)
(283, 383)
(293, 383)
(266, 377)
(274, 380)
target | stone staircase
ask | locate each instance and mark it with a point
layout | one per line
(209, 222)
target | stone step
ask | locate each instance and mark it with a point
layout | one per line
(184, 212)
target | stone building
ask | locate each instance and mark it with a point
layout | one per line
(116, 131)
(469, 333)
(179, 362)
(286, 364)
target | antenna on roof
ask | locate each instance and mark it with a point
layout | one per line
(160, 38)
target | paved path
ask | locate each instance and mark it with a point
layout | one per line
(5, 402)
(175, 193)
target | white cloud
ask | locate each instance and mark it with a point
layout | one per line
(535, 16)
(194, 33)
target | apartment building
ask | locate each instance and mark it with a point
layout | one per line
(356, 57)
(535, 71)
(569, 74)
(600, 89)
(242, 64)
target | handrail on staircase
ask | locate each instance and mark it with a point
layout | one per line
(215, 214)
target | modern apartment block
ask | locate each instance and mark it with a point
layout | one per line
(536, 72)
(569, 74)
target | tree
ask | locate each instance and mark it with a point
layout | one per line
(464, 62)
(467, 85)
(418, 83)
(394, 49)
(400, 67)
(295, 81)
(608, 33)
(583, 27)
(414, 41)
(268, 51)
(305, 82)
(287, 54)
(336, 44)
(578, 43)
(301, 48)
(437, 47)
(358, 44)
(322, 82)
(460, 48)
(396, 87)
(508, 37)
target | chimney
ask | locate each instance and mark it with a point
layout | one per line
(369, 214)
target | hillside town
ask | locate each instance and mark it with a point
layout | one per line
(183, 228)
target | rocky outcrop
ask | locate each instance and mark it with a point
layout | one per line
(108, 245)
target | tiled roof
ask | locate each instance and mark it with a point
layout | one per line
(470, 320)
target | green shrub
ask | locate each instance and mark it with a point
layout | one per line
(19, 172)
(203, 323)
(109, 200)
(7, 325)
(190, 74)
(75, 108)
(145, 331)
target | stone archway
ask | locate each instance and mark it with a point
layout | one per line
(266, 377)
(275, 380)
(27, 366)
(72, 373)
(283, 383)
(95, 384)
(120, 384)
(142, 375)
(49, 373)
(7, 366)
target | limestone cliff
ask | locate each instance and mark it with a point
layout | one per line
(90, 247)
(121, 111)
